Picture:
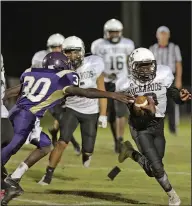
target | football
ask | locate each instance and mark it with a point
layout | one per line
(140, 102)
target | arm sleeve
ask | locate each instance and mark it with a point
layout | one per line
(174, 93)
(178, 54)
(168, 77)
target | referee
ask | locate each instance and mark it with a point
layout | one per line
(168, 53)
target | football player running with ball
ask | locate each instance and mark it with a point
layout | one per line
(80, 110)
(147, 130)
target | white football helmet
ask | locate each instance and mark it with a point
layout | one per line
(55, 40)
(113, 25)
(76, 45)
(143, 66)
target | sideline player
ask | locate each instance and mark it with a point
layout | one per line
(155, 81)
(80, 110)
(42, 88)
(54, 44)
(114, 49)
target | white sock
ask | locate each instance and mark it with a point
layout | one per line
(21, 169)
(87, 163)
(171, 193)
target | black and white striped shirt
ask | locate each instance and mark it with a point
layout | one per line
(168, 55)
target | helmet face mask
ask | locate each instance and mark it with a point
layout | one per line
(75, 55)
(144, 72)
(74, 49)
(113, 36)
(55, 48)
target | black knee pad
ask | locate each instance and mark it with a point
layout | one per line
(65, 135)
(158, 169)
(154, 161)
(87, 150)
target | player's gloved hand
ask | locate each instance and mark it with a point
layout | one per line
(185, 95)
(102, 121)
(150, 107)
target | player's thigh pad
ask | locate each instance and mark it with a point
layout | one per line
(134, 135)
(67, 124)
(6, 132)
(121, 109)
(159, 140)
(88, 126)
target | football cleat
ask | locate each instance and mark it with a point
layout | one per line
(174, 199)
(2, 194)
(86, 159)
(126, 151)
(13, 190)
(45, 180)
(77, 150)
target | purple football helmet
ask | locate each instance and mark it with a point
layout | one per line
(56, 60)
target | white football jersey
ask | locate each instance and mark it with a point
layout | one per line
(38, 58)
(90, 70)
(156, 89)
(115, 56)
(4, 111)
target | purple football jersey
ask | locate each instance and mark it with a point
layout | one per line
(44, 88)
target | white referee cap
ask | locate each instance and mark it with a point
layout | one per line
(163, 29)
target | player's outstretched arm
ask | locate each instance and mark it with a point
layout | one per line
(95, 93)
(12, 92)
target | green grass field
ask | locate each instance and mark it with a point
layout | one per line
(75, 185)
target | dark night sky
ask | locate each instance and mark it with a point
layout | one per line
(26, 26)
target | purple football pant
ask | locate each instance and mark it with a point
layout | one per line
(23, 122)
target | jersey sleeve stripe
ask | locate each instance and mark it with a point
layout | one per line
(64, 89)
(62, 73)
(52, 98)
